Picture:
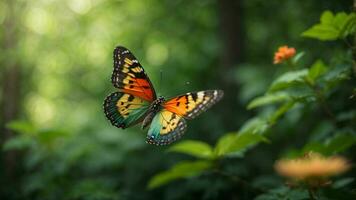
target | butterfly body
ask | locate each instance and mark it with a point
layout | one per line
(137, 102)
(155, 107)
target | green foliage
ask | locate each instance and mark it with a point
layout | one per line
(343, 182)
(228, 145)
(180, 170)
(292, 91)
(17, 143)
(269, 98)
(233, 143)
(317, 70)
(333, 26)
(194, 148)
(92, 190)
(336, 144)
(280, 112)
(29, 135)
(288, 80)
(285, 194)
(254, 126)
(22, 127)
(297, 58)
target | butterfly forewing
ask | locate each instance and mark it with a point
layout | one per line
(193, 104)
(130, 77)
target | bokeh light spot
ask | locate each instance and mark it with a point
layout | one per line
(40, 109)
(157, 54)
(39, 20)
(3, 11)
(80, 6)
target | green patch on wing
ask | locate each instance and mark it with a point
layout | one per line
(166, 127)
(155, 127)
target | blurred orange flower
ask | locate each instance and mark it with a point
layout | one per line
(283, 53)
(312, 165)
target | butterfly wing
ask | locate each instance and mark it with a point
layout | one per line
(124, 110)
(130, 77)
(169, 124)
(192, 104)
(166, 127)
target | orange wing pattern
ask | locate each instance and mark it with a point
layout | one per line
(130, 77)
(193, 104)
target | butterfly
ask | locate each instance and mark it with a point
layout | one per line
(136, 102)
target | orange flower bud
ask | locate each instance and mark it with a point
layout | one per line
(284, 53)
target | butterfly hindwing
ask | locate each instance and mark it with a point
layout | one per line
(166, 127)
(124, 110)
(130, 77)
(193, 104)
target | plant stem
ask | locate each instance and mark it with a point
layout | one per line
(312, 194)
(238, 180)
(321, 99)
(291, 64)
(323, 103)
(353, 49)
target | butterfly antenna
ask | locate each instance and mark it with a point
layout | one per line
(160, 80)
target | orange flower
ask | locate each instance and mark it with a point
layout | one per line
(312, 165)
(283, 53)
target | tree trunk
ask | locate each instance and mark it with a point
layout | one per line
(10, 87)
(354, 45)
(230, 14)
(231, 31)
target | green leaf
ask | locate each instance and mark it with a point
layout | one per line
(297, 57)
(194, 148)
(255, 125)
(289, 79)
(22, 127)
(312, 146)
(300, 94)
(267, 99)
(180, 170)
(50, 135)
(18, 143)
(224, 143)
(92, 189)
(332, 27)
(337, 74)
(317, 70)
(321, 32)
(327, 17)
(236, 143)
(343, 182)
(349, 26)
(339, 143)
(285, 194)
(280, 111)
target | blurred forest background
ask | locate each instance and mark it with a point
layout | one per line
(56, 63)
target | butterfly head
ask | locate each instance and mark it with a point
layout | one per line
(156, 105)
(161, 99)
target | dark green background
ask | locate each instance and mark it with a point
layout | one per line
(56, 63)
